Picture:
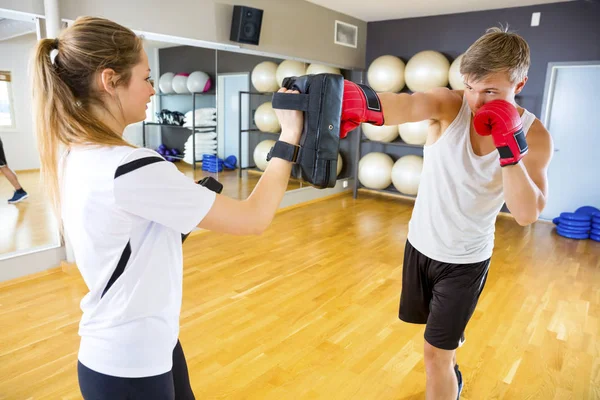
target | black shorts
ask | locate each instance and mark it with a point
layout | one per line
(441, 295)
(171, 385)
(2, 155)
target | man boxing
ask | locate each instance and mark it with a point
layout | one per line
(482, 150)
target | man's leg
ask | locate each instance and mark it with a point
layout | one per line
(441, 383)
(11, 176)
(455, 296)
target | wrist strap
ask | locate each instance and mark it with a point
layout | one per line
(285, 151)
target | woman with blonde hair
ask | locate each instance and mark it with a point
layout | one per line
(124, 209)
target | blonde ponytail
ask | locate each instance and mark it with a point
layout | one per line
(63, 90)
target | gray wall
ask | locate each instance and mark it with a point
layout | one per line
(568, 31)
(285, 30)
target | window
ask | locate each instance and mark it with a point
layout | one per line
(7, 115)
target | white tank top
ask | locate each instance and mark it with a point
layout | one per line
(460, 195)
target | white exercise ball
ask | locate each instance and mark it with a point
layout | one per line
(165, 82)
(314, 69)
(386, 74)
(406, 174)
(383, 133)
(414, 132)
(260, 153)
(427, 70)
(263, 77)
(340, 164)
(375, 170)
(289, 68)
(265, 118)
(454, 76)
(180, 83)
(199, 82)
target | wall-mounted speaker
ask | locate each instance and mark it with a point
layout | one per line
(245, 24)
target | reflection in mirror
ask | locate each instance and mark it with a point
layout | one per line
(28, 223)
(234, 122)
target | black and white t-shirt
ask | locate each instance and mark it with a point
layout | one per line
(124, 210)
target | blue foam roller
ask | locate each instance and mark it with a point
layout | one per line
(578, 236)
(589, 210)
(575, 217)
(595, 238)
(573, 223)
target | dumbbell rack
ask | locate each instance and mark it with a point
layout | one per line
(193, 127)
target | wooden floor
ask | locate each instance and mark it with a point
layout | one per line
(31, 223)
(309, 311)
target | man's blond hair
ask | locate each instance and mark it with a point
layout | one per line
(498, 50)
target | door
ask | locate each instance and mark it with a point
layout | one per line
(571, 103)
(229, 86)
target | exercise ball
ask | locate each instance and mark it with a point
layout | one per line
(375, 170)
(199, 82)
(289, 68)
(165, 82)
(265, 118)
(383, 133)
(180, 83)
(426, 70)
(260, 153)
(263, 77)
(454, 76)
(314, 69)
(386, 74)
(406, 174)
(414, 132)
(340, 164)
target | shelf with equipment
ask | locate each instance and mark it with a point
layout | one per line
(396, 143)
(250, 130)
(191, 128)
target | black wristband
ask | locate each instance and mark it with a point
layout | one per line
(285, 151)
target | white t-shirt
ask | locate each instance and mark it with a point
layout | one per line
(124, 210)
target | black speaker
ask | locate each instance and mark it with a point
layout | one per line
(245, 24)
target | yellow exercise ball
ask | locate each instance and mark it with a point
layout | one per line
(375, 170)
(427, 70)
(289, 68)
(263, 77)
(383, 133)
(386, 74)
(406, 174)
(260, 153)
(454, 76)
(414, 132)
(314, 69)
(265, 118)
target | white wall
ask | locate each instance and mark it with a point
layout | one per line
(19, 144)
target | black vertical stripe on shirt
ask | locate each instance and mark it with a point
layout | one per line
(120, 267)
(136, 164)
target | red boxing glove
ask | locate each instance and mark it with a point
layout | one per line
(360, 104)
(501, 119)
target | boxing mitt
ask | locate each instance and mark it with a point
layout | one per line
(502, 121)
(360, 104)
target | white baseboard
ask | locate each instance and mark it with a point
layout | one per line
(27, 263)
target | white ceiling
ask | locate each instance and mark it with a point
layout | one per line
(379, 10)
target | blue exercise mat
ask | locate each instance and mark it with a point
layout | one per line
(578, 236)
(575, 217)
(574, 223)
(589, 210)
